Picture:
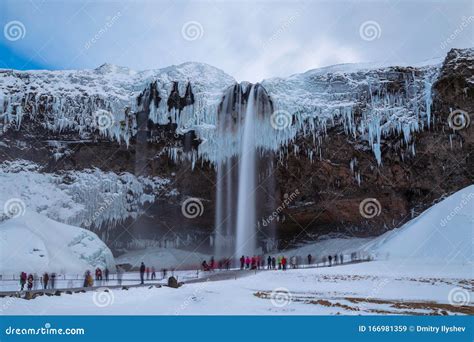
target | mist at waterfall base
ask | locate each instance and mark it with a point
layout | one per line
(245, 108)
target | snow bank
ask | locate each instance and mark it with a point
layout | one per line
(35, 243)
(442, 234)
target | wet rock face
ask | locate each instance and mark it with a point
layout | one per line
(234, 103)
(311, 196)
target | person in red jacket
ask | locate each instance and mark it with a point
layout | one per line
(283, 263)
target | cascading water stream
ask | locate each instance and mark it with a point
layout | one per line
(246, 204)
(244, 110)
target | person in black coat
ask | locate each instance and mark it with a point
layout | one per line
(142, 273)
(242, 262)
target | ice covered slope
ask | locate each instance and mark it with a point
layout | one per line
(35, 243)
(443, 234)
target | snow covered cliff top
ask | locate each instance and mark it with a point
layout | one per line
(371, 100)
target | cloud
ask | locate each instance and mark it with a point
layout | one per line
(248, 40)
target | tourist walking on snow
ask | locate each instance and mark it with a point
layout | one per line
(142, 273)
(106, 273)
(153, 273)
(330, 260)
(30, 282)
(45, 280)
(283, 263)
(293, 262)
(119, 275)
(35, 281)
(247, 262)
(309, 259)
(22, 281)
(269, 262)
(88, 281)
(212, 263)
(242, 262)
(53, 279)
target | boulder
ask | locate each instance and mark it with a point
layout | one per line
(173, 282)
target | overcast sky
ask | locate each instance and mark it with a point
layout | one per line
(250, 40)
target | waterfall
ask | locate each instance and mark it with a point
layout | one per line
(244, 110)
(246, 204)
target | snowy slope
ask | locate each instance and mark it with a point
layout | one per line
(443, 234)
(35, 243)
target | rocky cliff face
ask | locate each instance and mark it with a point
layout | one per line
(338, 138)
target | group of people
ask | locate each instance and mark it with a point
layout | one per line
(221, 264)
(257, 262)
(48, 280)
(31, 281)
(334, 260)
(150, 273)
(280, 262)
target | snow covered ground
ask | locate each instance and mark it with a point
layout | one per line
(364, 288)
(419, 274)
(163, 257)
